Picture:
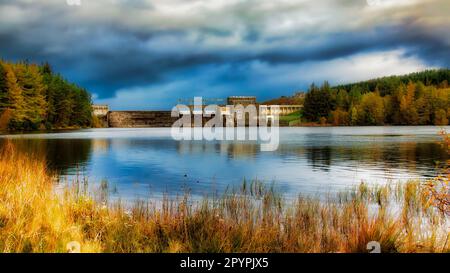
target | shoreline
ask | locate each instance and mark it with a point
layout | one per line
(62, 130)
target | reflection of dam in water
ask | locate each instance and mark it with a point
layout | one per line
(229, 149)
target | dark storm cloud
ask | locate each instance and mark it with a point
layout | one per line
(117, 50)
(417, 41)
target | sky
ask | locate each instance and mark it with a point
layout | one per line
(146, 54)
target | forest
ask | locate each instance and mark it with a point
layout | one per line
(421, 98)
(32, 97)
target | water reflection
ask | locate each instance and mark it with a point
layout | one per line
(141, 162)
(62, 155)
(232, 150)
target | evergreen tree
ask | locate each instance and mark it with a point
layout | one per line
(354, 96)
(317, 102)
(33, 88)
(47, 77)
(3, 89)
(15, 96)
(342, 99)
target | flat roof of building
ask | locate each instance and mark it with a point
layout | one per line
(242, 97)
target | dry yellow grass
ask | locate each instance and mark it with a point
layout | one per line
(254, 218)
(439, 188)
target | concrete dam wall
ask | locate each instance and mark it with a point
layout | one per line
(143, 119)
(136, 119)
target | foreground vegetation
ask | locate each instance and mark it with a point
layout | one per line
(254, 218)
(32, 97)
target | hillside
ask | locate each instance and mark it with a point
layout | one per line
(386, 85)
(421, 98)
(297, 99)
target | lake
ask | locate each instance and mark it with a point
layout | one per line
(143, 163)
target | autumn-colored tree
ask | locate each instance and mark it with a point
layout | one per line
(440, 117)
(15, 95)
(371, 109)
(354, 116)
(423, 111)
(408, 111)
(5, 118)
(339, 117)
(33, 90)
(3, 89)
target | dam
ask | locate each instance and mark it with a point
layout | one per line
(139, 119)
(149, 119)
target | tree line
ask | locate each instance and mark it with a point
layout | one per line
(385, 85)
(416, 99)
(32, 97)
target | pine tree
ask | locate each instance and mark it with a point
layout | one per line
(342, 99)
(48, 79)
(317, 102)
(4, 102)
(39, 94)
(355, 96)
(31, 82)
(15, 95)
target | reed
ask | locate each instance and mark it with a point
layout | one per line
(34, 217)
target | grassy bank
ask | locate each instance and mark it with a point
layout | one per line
(33, 218)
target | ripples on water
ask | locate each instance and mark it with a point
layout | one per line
(148, 162)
